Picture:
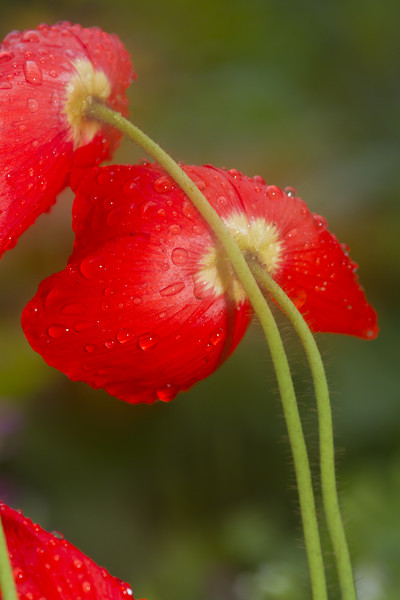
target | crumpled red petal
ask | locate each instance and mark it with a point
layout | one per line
(47, 566)
(36, 149)
(133, 312)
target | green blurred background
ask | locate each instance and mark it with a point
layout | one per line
(196, 499)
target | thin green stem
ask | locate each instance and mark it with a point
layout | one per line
(326, 442)
(101, 113)
(7, 583)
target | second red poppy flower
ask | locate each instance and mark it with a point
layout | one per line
(148, 303)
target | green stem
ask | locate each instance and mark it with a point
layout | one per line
(326, 442)
(101, 113)
(7, 583)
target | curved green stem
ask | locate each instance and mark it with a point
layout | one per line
(101, 113)
(326, 442)
(7, 583)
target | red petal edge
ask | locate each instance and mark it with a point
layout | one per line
(45, 566)
(36, 153)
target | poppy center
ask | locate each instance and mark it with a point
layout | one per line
(257, 239)
(84, 85)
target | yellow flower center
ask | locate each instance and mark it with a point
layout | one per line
(257, 239)
(84, 85)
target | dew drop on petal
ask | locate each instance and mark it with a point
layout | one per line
(33, 105)
(290, 191)
(274, 192)
(188, 209)
(300, 298)
(165, 394)
(90, 347)
(30, 35)
(5, 56)
(86, 587)
(109, 344)
(75, 308)
(82, 325)
(124, 335)
(179, 256)
(147, 341)
(91, 267)
(216, 338)
(164, 184)
(32, 72)
(19, 575)
(78, 564)
(235, 173)
(172, 289)
(56, 330)
(258, 180)
(320, 222)
(174, 229)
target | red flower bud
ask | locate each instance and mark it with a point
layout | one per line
(148, 303)
(45, 77)
(47, 566)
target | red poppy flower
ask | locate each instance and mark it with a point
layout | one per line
(148, 304)
(47, 566)
(45, 76)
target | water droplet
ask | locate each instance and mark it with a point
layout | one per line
(78, 564)
(86, 587)
(19, 575)
(33, 105)
(161, 213)
(166, 393)
(290, 191)
(55, 100)
(5, 56)
(147, 209)
(130, 187)
(105, 177)
(235, 173)
(188, 209)
(300, 298)
(179, 256)
(82, 325)
(75, 308)
(147, 341)
(164, 184)
(56, 330)
(33, 73)
(91, 267)
(137, 300)
(124, 335)
(217, 337)
(90, 347)
(30, 35)
(109, 344)
(274, 192)
(320, 222)
(174, 229)
(259, 180)
(172, 289)
(197, 230)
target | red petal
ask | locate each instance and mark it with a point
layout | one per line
(125, 315)
(315, 270)
(45, 566)
(128, 313)
(36, 150)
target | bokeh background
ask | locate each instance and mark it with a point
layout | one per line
(196, 499)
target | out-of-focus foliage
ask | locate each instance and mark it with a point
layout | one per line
(196, 499)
